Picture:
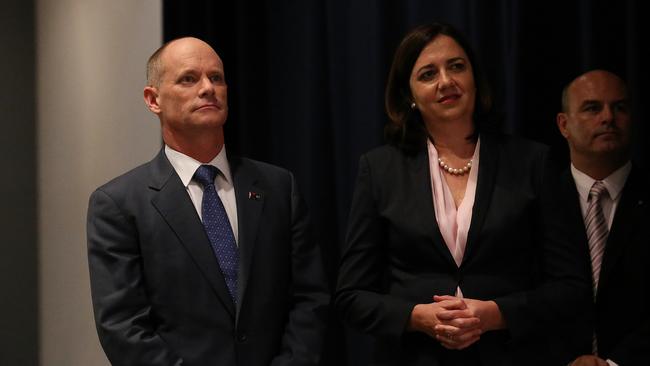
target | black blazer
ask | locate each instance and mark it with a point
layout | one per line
(623, 297)
(158, 293)
(396, 257)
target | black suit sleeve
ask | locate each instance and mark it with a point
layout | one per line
(563, 286)
(122, 310)
(360, 297)
(633, 348)
(303, 336)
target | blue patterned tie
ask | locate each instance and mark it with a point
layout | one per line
(218, 227)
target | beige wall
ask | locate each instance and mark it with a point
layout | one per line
(92, 125)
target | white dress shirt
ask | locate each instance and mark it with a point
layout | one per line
(614, 184)
(186, 166)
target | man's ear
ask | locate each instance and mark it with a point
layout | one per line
(151, 99)
(561, 121)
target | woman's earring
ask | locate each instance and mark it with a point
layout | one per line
(413, 105)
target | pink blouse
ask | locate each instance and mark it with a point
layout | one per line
(453, 221)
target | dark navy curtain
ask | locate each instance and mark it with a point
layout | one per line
(306, 82)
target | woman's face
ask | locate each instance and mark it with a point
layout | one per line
(442, 82)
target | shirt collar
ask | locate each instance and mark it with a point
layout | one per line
(186, 166)
(614, 182)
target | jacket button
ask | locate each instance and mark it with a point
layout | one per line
(241, 338)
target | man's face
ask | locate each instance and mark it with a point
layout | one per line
(192, 94)
(597, 121)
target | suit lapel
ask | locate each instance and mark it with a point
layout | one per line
(176, 208)
(568, 194)
(250, 197)
(423, 201)
(488, 165)
(627, 219)
(575, 224)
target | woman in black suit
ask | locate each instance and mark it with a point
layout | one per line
(451, 256)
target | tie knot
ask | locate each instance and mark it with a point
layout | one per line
(598, 190)
(206, 174)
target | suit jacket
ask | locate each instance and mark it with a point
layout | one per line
(159, 296)
(618, 314)
(396, 257)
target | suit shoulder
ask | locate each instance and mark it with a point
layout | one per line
(128, 183)
(638, 181)
(263, 167)
(520, 145)
(384, 154)
(640, 172)
(388, 162)
(520, 153)
(271, 174)
(383, 150)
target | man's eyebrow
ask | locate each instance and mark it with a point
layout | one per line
(590, 101)
(184, 71)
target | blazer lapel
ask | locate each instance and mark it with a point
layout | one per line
(423, 202)
(627, 219)
(574, 222)
(250, 197)
(488, 165)
(176, 208)
(569, 194)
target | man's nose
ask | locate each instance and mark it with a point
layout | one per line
(206, 87)
(607, 115)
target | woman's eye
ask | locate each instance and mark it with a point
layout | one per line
(459, 66)
(427, 75)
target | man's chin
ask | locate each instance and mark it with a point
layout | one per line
(611, 148)
(216, 120)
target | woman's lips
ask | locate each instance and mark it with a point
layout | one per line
(449, 98)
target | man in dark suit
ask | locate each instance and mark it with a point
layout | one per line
(606, 201)
(198, 258)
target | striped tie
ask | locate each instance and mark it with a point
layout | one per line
(597, 230)
(597, 235)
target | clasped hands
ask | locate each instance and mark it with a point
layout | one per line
(456, 322)
(589, 360)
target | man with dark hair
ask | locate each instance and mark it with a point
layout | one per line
(198, 257)
(606, 201)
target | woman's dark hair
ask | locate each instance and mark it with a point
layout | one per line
(406, 129)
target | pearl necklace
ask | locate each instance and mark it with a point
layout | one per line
(454, 171)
